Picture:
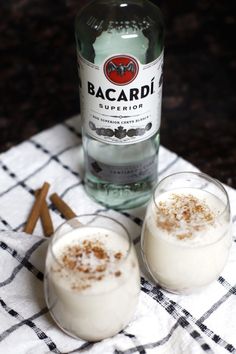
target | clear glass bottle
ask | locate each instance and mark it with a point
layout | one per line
(120, 56)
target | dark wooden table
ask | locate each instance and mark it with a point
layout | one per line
(39, 86)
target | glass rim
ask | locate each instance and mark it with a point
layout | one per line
(202, 175)
(76, 218)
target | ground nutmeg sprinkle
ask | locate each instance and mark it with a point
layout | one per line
(90, 260)
(183, 214)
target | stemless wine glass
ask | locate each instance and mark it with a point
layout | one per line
(186, 235)
(92, 279)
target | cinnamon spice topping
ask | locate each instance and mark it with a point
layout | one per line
(118, 255)
(91, 261)
(183, 214)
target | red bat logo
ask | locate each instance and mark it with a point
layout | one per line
(121, 69)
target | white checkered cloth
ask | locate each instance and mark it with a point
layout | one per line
(163, 323)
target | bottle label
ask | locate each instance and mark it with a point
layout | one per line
(121, 99)
(123, 174)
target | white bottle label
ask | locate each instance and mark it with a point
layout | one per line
(121, 99)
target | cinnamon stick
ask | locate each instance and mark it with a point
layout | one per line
(66, 211)
(45, 218)
(35, 211)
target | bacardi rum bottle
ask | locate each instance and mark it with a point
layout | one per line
(120, 58)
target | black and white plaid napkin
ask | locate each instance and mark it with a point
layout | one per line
(163, 323)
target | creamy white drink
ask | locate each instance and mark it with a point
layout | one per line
(92, 283)
(186, 239)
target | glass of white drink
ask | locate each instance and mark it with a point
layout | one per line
(92, 279)
(186, 235)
